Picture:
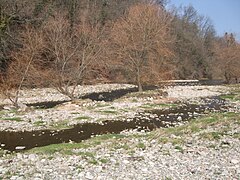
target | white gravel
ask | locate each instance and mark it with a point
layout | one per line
(189, 92)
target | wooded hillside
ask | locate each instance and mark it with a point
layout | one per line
(64, 43)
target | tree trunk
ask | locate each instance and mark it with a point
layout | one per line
(140, 89)
(236, 79)
(227, 77)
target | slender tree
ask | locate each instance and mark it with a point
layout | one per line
(70, 51)
(24, 65)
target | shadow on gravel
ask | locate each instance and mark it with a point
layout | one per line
(115, 94)
(102, 96)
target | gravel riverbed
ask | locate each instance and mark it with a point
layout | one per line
(190, 152)
(82, 111)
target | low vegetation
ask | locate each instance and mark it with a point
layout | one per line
(17, 119)
(219, 123)
(83, 118)
(211, 127)
(68, 148)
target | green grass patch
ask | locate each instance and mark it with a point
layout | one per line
(67, 148)
(194, 128)
(83, 118)
(108, 136)
(17, 119)
(229, 115)
(102, 105)
(39, 123)
(134, 100)
(75, 113)
(108, 112)
(179, 148)
(2, 113)
(93, 161)
(64, 148)
(141, 146)
(174, 141)
(212, 135)
(103, 160)
(231, 97)
(177, 131)
(13, 111)
(121, 146)
(209, 120)
(163, 140)
(228, 96)
(85, 154)
(125, 110)
(149, 135)
(222, 121)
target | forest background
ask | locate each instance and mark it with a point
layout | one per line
(65, 43)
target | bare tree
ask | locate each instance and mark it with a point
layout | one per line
(24, 65)
(70, 51)
(141, 40)
(227, 52)
(194, 44)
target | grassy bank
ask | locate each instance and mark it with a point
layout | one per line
(210, 127)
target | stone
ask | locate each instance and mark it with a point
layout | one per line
(89, 175)
(8, 107)
(20, 147)
(14, 177)
(179, 118)
(32, 157)
(234, 161)
(22, 107)
(125, 161)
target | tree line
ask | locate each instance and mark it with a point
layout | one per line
(64, 43)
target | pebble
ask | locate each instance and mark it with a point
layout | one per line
(89, 175)
(20, 147)
(179, 118)
(125, 161)
(234, 161)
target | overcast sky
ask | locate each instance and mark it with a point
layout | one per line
(225, 14)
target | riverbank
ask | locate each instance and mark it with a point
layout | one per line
(205, 148)
(68, 114)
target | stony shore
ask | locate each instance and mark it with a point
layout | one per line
(206, 148)
(70, 113)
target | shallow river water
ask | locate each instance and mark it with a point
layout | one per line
(147, 121)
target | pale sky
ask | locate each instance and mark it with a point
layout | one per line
(225, 14)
